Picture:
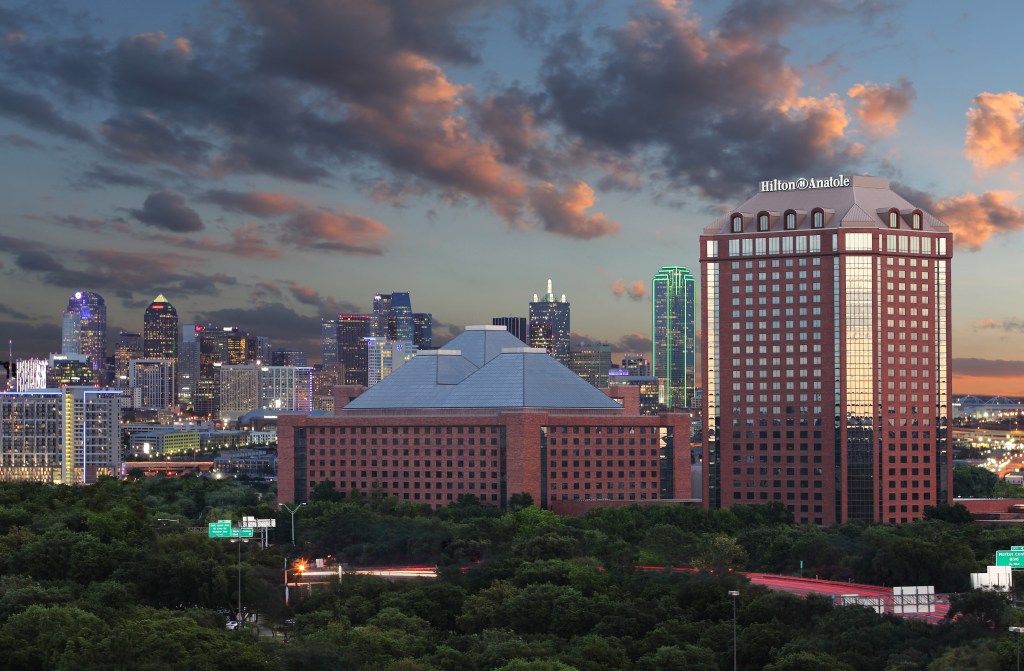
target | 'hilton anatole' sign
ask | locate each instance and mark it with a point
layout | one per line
(804, 183)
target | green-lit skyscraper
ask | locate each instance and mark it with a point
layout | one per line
(673, 355)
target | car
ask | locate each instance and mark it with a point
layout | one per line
(232, 625)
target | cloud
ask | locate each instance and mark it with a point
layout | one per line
(18, 141)
(564, 213)
(715, 112)
(30, 339)
(995, 130)
(283, 325)
(636, 289)
(968, 367)
(167, 209)
(631, 343)
(972, 218)
(257, 203)
(325, 231)
(144, 137)
(1007, 325)
(882, 106)
(37, 112)
(99, 175)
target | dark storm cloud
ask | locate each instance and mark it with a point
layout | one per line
(38, 260)
(631, 343)
(168, 210)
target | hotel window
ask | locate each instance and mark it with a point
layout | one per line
(817, 219)
(790, 221)
(894, 219)
(737, 223)
(762, 221)
(915, 221)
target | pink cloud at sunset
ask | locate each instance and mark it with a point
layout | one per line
(880, 107)
(995, 130)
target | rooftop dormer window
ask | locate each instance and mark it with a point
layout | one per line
(762, 221)
(790, 221)
(894, 219)
(737, 223)
(915, 221)
(817, 219)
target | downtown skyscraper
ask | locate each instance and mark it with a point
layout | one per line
(673, 352)
(160, 330)
(827, 353)
(549, 325)
(84, 329)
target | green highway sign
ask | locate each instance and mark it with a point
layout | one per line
(223, 529)
(220, 529)
(1017, 547)
(1012, 558)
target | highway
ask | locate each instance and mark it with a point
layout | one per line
(781, 583)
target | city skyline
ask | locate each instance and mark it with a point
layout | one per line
(494, 144)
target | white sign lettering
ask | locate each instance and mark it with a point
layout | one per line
(804, 183)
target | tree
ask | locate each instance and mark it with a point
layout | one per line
(954, 514)
(808, 661)
(973, 482)
(519, 500)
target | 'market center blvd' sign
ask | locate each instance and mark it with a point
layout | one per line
(804, 183)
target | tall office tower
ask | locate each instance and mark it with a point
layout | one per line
(423, 330)
(400, 324)
(151, 384)
(517, 326)
(328, 341)
(384, 356)
(381, 315)
(30, 374)
(160, 330)
(353, 330)
(70, 370)
(129, 346)
(188, 363)
(592, 363)
(635, 364)
(64, 436)
(288, 357)
(673, 352)
(549, 325)
(85, 329)
(258, 348)
(239, 391)
(827, 353)
(223, 346)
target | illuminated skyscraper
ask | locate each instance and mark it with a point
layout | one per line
(827, 353)
(592, 363)
(328, 341)
(84, 329)
(353, 330)
(129, 346)
(151, 384)
(549, 325)
(423, 330)
(188, 363)
(674, 344)
(160, 330)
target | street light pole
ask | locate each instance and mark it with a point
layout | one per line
(734, 594)
(1018, 631)
(285, 506)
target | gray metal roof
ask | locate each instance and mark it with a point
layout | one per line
(864, 203)
(509, 376)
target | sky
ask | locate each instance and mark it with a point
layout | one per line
(265, 163)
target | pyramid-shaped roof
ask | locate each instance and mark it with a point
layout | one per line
(484, 367)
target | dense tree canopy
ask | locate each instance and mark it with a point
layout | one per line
(122, 575)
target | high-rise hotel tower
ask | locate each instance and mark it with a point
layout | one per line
(827, 352)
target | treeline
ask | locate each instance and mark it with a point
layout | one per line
(112, 577)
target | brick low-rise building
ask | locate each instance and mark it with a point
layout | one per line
(488, 417)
